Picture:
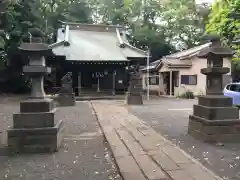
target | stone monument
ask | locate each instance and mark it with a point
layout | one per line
(35, 129)
(134, 94)
(66, 96)
(214, 118)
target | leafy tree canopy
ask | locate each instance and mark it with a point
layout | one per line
(224, 20)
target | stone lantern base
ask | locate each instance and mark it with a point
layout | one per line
(66, 99)
(214, 119)
(35, 129)
(134, 98)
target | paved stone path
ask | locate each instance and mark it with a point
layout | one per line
(85, 154)
(140, 152)
(170, 118)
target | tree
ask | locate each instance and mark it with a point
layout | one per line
(224, 20)
(221, 20)
(20, 17)
(183, 21)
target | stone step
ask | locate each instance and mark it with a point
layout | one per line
(3, 147)
(40, 140)
(215, 113)
(38, 149)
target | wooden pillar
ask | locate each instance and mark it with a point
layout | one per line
(114, 82)
(79, 83)
(171, 83)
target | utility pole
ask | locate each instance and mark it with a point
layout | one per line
(148, 62)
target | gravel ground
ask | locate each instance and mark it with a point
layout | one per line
(85, 154)
(170, 118)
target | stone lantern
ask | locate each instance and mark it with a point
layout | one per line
(35, 128)
(214, 118)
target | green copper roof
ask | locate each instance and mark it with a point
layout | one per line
(94, 43)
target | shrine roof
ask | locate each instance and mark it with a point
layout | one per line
(178, 59)
(91, 42)
(187, 53)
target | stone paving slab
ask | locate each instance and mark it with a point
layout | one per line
(154, 156)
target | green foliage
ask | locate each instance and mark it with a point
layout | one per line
(187, 95)
(184, 22)
(224, 21)
(159, 25)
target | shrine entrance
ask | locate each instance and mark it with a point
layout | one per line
(97, 80)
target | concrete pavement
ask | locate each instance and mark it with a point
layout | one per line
(85, 154)
(170, 118)
(142, 153)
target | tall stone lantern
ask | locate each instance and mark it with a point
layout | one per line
(214, 118)
(35, 128)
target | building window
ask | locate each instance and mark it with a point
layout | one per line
(189, 79)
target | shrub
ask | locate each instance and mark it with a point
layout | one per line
(187, 95)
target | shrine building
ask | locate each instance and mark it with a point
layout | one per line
(96, 54)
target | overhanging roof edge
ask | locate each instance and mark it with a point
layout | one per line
(86, 24)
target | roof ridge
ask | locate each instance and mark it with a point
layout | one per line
(86, 24)
(123, 43)
(135, 48)
(56, 44)
(196, 48)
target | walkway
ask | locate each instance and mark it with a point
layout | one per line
(140, 152)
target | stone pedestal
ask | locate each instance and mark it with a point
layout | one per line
(133, 99)
(35, 128)
(134, 94)
(66, 99)
(66, 96)
(214, 118)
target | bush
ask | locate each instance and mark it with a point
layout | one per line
(187, 95)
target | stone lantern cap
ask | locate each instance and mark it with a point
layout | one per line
(215, 48)
(34, 48)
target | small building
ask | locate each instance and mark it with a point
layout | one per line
(96, 54)
(180, 72)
